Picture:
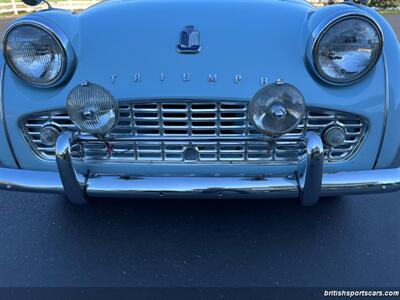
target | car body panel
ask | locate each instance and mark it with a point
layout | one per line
(7, 158)
(390, 142)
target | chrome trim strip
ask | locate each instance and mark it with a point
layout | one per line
(203, 187)
(386, 109)
(30, 181)
(361, 182)
(116, 138)
(74, 190)
(60, 37)
(311, 180)
(3, 116)
(333, 184)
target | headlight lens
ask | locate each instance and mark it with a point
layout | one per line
(347, 49)
(93, 109)
(34, 54)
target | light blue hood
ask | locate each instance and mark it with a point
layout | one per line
(252, 38)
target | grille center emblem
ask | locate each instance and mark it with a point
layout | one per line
(191, 154)
(189, 40)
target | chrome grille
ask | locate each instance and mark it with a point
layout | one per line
(218, 131)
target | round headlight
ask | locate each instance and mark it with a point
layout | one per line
(35, 54)
(347, 49)
(93, 109)
(277, 109)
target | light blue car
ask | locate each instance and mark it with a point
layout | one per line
(200, 98)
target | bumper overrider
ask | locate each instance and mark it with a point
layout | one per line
(308, 183)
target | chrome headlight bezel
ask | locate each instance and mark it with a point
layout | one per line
(319, 32)
(59, 37)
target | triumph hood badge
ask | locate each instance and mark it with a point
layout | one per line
(189, 40)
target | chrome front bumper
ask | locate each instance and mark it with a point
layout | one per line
(307, 184)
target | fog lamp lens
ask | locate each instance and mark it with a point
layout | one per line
(49, 135)
(277, 109)
(334, 136)
(92, 109)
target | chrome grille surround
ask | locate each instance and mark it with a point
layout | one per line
(161, 131)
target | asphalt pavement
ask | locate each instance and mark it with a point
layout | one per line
(342, 242)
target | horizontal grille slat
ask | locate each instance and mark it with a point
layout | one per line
(219, 131)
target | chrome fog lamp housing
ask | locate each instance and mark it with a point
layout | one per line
(92, 109)
(343, 50)
(277, 109)
(38, 52)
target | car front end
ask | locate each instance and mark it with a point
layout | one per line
(263, 99)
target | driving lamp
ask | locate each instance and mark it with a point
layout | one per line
(92, 109)
(347, 49)
(277, 109)
(35, 54)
